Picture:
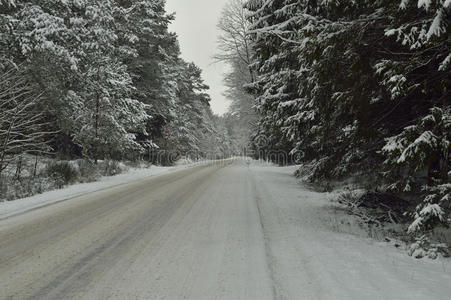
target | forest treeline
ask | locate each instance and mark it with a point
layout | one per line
(100, 80)
(357, 88)
(349, 89)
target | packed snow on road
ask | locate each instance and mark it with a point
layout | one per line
(218, 230)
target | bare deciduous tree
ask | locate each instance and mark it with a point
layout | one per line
(21, 124)
(235, 49)
(234, 42)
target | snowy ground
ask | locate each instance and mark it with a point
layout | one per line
(328, 264)
(213, 232)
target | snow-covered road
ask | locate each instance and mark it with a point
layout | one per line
(219, 231)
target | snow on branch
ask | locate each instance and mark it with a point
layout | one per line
(22, 125)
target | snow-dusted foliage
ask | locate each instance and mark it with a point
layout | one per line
(422, 29)
(419, 156)
(22, 126)
(424, 147)
(347, 85)
(423, 247)
(235, 49)
(109, 73)
(310, 104)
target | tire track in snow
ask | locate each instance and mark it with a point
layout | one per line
(268, 253)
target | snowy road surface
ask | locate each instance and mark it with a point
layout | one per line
(210, 232)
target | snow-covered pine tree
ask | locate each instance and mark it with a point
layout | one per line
(110, 75)
(38, 37)
(189, 127)
(108, 118)
(339, 80)
(143, 32)
(275, 68)
(70, 50)
(336, 79)
(299, 44)
(425, 148)
(418, 157)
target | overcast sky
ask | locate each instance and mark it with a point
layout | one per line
(195, 25)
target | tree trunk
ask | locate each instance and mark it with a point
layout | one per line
(96, 138)
(35, 166)
(19, 168)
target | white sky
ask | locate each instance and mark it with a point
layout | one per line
(195, 24)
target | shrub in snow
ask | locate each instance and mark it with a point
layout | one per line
(62, 172)
(112, 167)
(434, 210)
(53, 175)
(88, 170)
(424, 248)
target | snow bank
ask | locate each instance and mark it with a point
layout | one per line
(10, 208)
(310, 259)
